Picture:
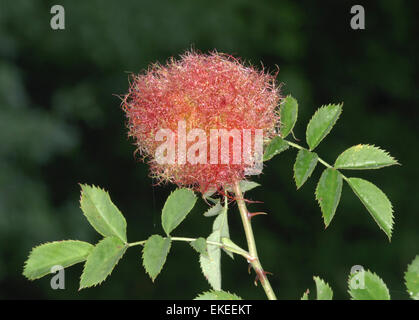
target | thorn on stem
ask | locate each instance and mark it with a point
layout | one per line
(250, 215)
(252, 201)
(235, 198)
(261, 275)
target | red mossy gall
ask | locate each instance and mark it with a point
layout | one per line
(205, 92)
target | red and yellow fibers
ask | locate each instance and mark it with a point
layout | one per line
(207, 91)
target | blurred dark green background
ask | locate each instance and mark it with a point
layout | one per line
(61, 124)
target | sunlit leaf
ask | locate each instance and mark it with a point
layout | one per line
(155, 253)
(101, 261)
(376, 202)
(217, 295)
(211, 264)
(214, 210)
(245, 185)
(304, 165)
(221, 224)
(289, 113)
(101, 213)
(177, 206)
(200, 245)
(324, 292)
(364, 156)
(321, 123)
(411, 278)
(328, 192)
(368, 286)
(58, 253)
(275, 146)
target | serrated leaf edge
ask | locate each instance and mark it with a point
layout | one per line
(323, 283)
(209, 258)
(167, 199)
(206, 247)
(405, 274)
(305, 295)
(164, 261)
(279, 151)
(293, 125)
(311, 171)
(229, 253)
(372, 168)
(318, 199)
(374, 274)
(243, 187)
(216, 293)
(116, 263)
(209, 214)
(46, 243)
(109, 224)
(391, 208)
(340, 105)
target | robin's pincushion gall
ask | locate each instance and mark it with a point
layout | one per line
(200, 91)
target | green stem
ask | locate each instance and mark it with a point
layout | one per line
(254, 259)
(243, 252)
(137, 243)
(142, 242)
(324, 163)
(319, 159)
(193, 239)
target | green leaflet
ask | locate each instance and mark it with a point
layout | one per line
(324, 292)
(214, 210)
(366, 285)
(364, 156)
(62, 253)
(221, 224)
(275, 146)
(321, 123)
(200, 246)
(207, 194)
(304, 165)
(177, 206)
(305, 295)
(376, 202)
(101, 261)
(328, 192)
(155, 253)
(230, 246)
(245, 185)
(411, 278)
(211, 265)
(217, 295)
(101, 213)
(288, 114)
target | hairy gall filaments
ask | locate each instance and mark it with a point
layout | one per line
(204, 92)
